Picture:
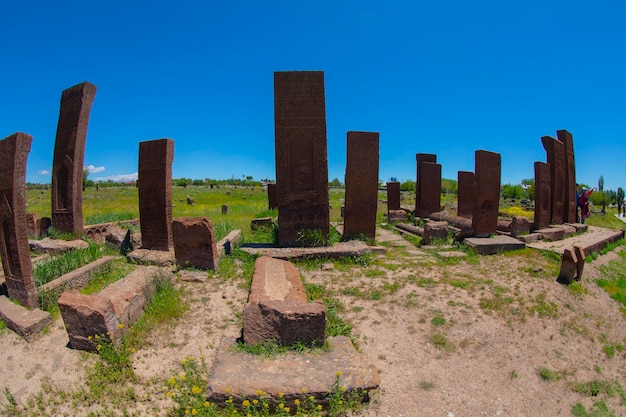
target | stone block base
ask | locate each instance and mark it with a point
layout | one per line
(27, 323)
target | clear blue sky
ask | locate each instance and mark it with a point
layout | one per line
(434, 76)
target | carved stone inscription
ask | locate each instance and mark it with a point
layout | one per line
(465, 193)
(486, 193)
(429, 188)
(555, 152)
(419, 158)
(543, 195)
(301, 154)
(69, 152)
(569, 208)
(155, 193)
(13, 229)
(361, 184)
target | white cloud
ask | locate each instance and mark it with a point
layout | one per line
(43, 172)
(93, 169)
(118, 178)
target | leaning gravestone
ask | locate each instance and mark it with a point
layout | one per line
(543, 195)
(194, 242)
(465, 193)
(420, 158)
(69, 152)
(486, 193)
(429, 189)
(301, 154)
(14, 248)
(155, 193)
(569, 208)
(361, 184)
(555, 152)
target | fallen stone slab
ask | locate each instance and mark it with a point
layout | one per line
(572, 264)
(152, 257)
(567, 229)
(493, 245)
(414, 230)
(338, 250)
(459, 222)
(79, 278)
(452, 254)
(530, 238)
(27, 323)
(278, 309)
(378, 250)
(551, 233)
(261, 223)
(228, 242)
(435, 230)
(240, 375)
(580, 228)
(108, 312)
(53, 246)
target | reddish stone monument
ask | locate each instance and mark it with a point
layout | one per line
(301, 154)
(271, 195)
(543, 195)
(555, 152)
(569, 208)
(393, 195)
(486, 193)
(419, 159)
(429, 189)
(194, 242)
(155, 193)
(361, 184)
(69, 152)
(14, 248)
(465, 193)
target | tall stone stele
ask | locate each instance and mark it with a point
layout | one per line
(155, 194)
(301, 154)
(361, 184)
(13, 229)
(69, 153)
(486, 193)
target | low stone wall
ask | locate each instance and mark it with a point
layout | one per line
(110, 311)
(228, 243)
(78, 278)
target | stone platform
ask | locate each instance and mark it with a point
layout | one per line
(594, 240)
(240, 375)
(27, 323)
(493, 245)
(338, 250)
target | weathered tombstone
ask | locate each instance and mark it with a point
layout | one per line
(14, 249)
(155, 193)
(44, 224)
(194, 242)
(361, 184)
(486, 193)
(569, 208)
(393, 195)
(69, 152)
(32, 225)
(301, 154)
(224, 209)
(543, 195)
(271, 195)
(429, 189)
(555, 152)
(465, 193)
(419, 158)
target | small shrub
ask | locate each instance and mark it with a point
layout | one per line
(549, 375)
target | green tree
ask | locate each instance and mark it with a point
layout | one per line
(601, 183)
(449, 186)
(620, 199)
(529, 188)
(335, 183)
(512, 191)
(85, 175)
(408, 185)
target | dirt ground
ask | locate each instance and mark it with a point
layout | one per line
(449, 338)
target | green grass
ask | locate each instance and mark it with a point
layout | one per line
(100, 280)
(549, 375)
(614, 279)
(598, 409)
(608, 220)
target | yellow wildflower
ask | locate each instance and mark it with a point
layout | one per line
(281, 406)
(303, 390)
(245, 403)
(338, 373)
(186, 411)
(193, 412)
(172, 381)
(168, 394)
(297, 402)
(196, 390)
(255, 402)
(249, 415)
(319, 407)
(99, 347)
(89, 337)
(281, 394)
(120, 326)
(207, 404)
(287, 409)
(183, 362)
(343, 389)
(227, 390)
(259, 392)
(311, 397)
